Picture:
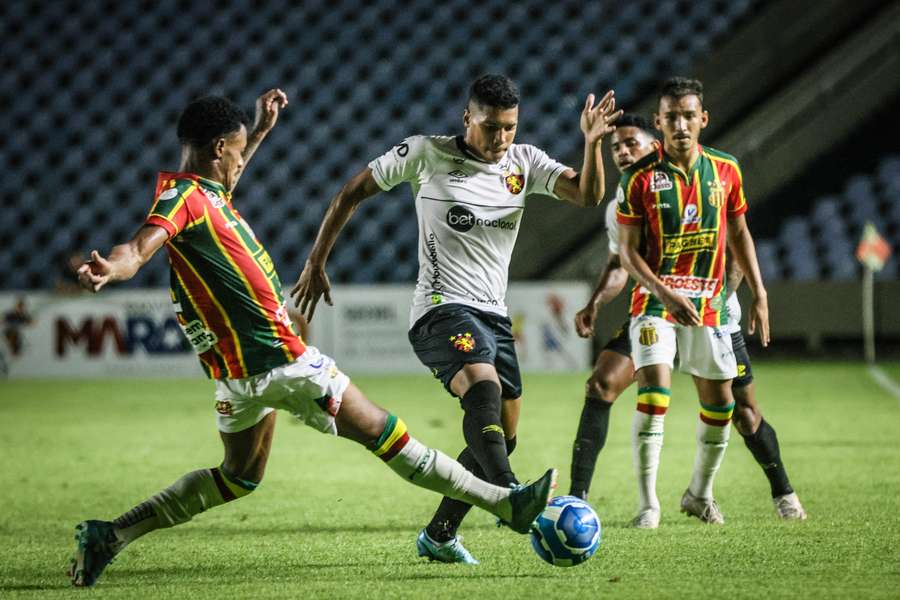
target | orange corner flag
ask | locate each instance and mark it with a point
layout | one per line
(873, 250)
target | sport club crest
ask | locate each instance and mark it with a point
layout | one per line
(648, 335)
(716, 193)
(464, 342)
(514, 182)
(660, 182)
(224, 408)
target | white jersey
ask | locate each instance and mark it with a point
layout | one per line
(469, 212)
(733, 322)
(612, 227)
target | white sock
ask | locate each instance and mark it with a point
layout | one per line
(646, 444)
(191, 494)
(712, 440)
(435, 471)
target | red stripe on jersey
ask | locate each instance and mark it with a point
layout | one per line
(260, 286)
(207, 306)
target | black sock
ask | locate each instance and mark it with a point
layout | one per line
(589, 441)
(764, 446)
(483, 432)
(450, 514)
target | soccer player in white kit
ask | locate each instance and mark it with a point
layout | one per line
(470, 193)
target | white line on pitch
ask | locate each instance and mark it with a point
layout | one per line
(885, 381)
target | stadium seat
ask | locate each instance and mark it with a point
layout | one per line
(349, 101)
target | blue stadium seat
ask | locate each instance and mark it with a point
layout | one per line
(111, 77)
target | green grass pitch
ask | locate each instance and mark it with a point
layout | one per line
(331, 521)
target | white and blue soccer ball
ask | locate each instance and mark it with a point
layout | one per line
(567, 533)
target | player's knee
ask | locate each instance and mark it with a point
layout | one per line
(482, 395)
(600, 387)
(241, 483)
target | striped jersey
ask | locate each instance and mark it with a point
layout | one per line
(227, 295)
(684, 219)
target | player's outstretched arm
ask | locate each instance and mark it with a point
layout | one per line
(586, 188)
(681, 308)
(313, 282)
(123, 261)
(611, 283)
(268, 107)
(740, 243)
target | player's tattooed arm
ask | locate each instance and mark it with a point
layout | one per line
(313, 282)
(586, 188)
(611, 283)
(123, 261)
(740, 243)
(268, 107)
(682, 309)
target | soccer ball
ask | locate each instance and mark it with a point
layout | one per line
(567, 533)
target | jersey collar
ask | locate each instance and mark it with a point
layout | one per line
(463, 147)
(671, 165)
(209, 183)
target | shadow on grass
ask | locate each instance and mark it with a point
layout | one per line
(238, 530)
(24, 587)
(467, 575)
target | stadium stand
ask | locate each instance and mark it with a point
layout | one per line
(821, 245)
(90, 109)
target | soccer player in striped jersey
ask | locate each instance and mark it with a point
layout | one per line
(228, 300)
(614, 370)
(470, 192)
(677, 208)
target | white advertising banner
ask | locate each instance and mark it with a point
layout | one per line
(112, 334)
(135, 334)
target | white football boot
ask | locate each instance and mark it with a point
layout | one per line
(704, 509)
(789, 508)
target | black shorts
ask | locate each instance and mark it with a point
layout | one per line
(621, 340)
(744, 370)
(453, 335)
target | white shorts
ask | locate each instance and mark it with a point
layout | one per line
(702, 351)
(310, 388)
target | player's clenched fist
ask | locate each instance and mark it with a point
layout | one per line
(94, 273)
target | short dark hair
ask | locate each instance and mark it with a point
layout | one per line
(677, 87)
(636, 120)
(496, 91)
(209, 118)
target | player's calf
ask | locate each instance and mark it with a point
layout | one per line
(193, 493)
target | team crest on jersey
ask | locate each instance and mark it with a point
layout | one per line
(225, 408)
(216, 200)
(716, 193)
(660, 182)
(648, 335)
(464, 342)
(514, 182)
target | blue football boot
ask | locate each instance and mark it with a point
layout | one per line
(451, 551)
